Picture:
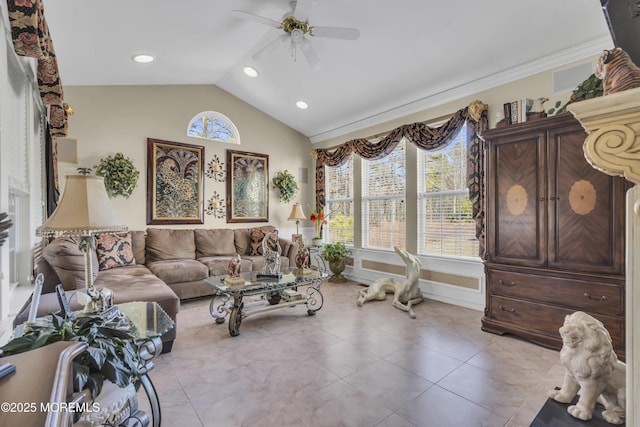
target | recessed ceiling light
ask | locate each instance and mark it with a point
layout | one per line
(302, 105)
(143, 58)
(250, 71)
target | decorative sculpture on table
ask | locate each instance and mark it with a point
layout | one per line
(406, 294)
(302, 261)
(591, 367)
(271, 251)
(233, 276)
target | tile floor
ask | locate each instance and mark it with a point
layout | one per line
(351, 366)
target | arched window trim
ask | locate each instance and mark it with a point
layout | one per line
(214, 115)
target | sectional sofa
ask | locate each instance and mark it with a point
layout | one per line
(159, 264)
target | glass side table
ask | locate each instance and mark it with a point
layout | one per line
(150, 322)
(315, 260)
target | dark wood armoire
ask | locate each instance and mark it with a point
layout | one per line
(555, 231)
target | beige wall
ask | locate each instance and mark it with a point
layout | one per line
(111, 119)
(535, 86)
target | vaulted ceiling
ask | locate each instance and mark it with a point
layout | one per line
(410, 55)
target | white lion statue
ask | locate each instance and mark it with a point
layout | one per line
(592, 367)
(406, 294)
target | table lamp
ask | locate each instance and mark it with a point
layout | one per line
(297, 214)
(83, 211)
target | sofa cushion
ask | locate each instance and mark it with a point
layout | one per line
(67, 260)
(214, 242)
(137, 283)
(176, 271)
(138, 242)
(167, 244)
(114, 250)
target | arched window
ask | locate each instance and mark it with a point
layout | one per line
(213, 126)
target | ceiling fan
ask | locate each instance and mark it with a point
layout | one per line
(297, 31)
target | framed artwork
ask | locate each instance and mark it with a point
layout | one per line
(247, 187)
(174, 183)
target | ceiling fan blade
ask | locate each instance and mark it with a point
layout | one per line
(262, 52)
(255, 18)
(303, 9)
(336, 33)
(309, 53)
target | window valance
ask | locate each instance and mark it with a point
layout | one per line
(31, 38)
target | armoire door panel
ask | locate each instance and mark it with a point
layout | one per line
(583, 228)
(517, 204)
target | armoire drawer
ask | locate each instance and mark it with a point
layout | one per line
(596, 297)
(546, 319)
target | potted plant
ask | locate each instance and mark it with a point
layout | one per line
(336, 255)
(111, 354)
(120, 175)
(286, 185)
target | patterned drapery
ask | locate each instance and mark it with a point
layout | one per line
(425, 138)
(31, 38)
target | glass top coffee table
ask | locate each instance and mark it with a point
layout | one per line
(149, 323)
(272, 293)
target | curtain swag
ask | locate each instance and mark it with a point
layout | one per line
(31, 37)
(425, 138)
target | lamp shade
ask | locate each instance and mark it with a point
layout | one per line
(83, 209)
(296, 212)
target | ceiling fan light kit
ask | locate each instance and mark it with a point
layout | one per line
(297, 31)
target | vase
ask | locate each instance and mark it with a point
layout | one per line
(316, 241)
(337, 267)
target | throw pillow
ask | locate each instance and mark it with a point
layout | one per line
(257, 235)
(114, 250)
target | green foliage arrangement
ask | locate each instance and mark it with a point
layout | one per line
(334, 252)
(590, 88)
(286, 185)
(111, 353)
(120, 175)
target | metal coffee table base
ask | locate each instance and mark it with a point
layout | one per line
(233, 305)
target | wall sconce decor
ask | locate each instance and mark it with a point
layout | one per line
(215, 206)
(215, 169)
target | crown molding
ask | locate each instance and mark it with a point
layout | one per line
(527, 69)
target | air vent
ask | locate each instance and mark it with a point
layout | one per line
(570, 78)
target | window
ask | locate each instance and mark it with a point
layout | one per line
(445, 219)
(213, 126)
(383, 206)
(339, 203)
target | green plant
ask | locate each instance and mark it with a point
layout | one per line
(286, 185)
(111, 354)
(120, 175)
(590, 88)
(334, 252)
